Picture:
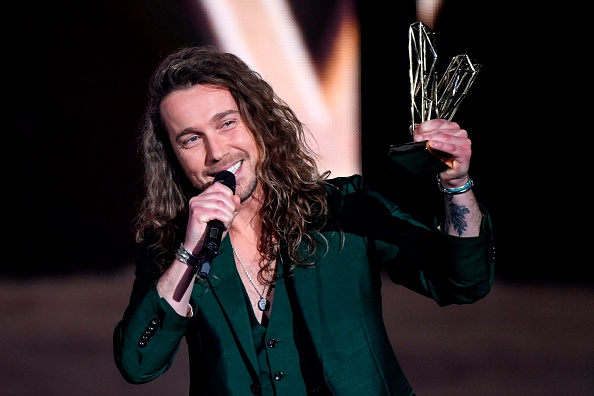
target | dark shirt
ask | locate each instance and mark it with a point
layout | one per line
(286, 357)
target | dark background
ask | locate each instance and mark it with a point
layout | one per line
(75, 82)
(85, 66)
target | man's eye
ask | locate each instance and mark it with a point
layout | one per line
(228, 124)
(191, 141)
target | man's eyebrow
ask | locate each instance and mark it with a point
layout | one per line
(214, 118)
(184, 132)
(223, 114)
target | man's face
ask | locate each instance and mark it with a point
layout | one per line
(208, 135)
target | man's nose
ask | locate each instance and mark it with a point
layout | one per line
(216, 148)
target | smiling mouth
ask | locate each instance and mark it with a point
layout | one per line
(235, 167)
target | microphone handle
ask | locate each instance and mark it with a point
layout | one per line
(210, 249)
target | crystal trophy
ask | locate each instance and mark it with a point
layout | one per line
(431, 98)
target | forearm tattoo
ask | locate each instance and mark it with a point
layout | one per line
(454, 216)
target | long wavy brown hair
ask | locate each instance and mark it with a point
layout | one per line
(295, 204)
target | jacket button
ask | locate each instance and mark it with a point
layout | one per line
(278, 376)
(271, 343)
(256, 389)
(152, 326)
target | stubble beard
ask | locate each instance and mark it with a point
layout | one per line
(250, 190)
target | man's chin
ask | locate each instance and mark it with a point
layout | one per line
(248, 192)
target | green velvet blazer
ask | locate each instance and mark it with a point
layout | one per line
(339, 300)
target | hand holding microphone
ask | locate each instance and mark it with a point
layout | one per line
(202, 261)
(214, 229)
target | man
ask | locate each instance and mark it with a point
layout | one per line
(292, 303)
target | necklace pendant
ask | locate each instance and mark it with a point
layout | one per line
(263, 304)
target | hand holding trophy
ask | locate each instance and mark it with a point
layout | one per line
(431, 98)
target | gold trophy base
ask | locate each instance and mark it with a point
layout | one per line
(419, 159)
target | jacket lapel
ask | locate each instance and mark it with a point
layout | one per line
(228, 291)
(306, 292)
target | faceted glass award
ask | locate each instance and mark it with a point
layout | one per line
(431, 98)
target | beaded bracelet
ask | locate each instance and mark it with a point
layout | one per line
(455, 191)
(187, 257)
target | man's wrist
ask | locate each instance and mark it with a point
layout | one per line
(187, 257)
(456, 190)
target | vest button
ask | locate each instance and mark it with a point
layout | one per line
(256, 389)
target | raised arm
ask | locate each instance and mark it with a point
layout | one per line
(462, 213)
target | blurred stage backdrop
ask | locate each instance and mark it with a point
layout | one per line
(81, 70)
(342, 65)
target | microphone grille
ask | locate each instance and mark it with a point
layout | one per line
(227, 178)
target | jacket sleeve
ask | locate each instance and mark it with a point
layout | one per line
(451, 269)
(147, 338)
(446, 268)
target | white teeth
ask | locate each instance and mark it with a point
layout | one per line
(234, 168)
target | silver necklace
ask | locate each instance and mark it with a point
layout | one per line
(263, 303)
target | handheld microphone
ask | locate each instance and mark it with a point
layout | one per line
(214, 229)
